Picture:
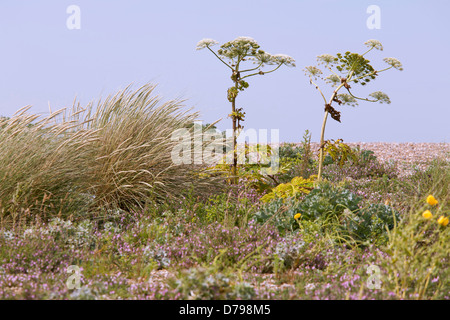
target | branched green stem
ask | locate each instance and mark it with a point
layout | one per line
(365, 99)
(253, 68)
(318, 88)
(372, 73)
(329, 68)
(254, 74)
(219, 58)
(367, 51)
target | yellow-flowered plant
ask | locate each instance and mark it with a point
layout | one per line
(416, 256)
(443, 221)
(297, 186)
(427, 214)
(297, 216)
(431, 200)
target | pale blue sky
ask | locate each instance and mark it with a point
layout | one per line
(123, 42)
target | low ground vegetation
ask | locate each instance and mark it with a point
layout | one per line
(94, 192)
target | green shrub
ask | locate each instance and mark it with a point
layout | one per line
(339, 152)
(290, 151)
(328, 201)
(279, 213)
(332, 210)
(366, 156)
(322, 203)
(355, 156)
(370, 224)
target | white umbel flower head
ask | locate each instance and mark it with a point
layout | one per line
(372, 43)
(394, 63)
(333, 79)
(245, 41)
(206, 43)
(313, 72)
(347, 99)
(326, 58)
(284, 59)
(380, 97)
(241, 46)
(263, 57)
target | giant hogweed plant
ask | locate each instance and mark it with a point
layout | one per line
(345, 69)
(236, 55)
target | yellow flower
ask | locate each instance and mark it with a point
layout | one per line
(443, 221)
(427, 214)
(431, 200)
(297, 216)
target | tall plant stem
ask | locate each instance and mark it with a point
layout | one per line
(322, 134)
(233, 110)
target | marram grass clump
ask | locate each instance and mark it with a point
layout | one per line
(133, 155)
(115, 155)
(44, 165)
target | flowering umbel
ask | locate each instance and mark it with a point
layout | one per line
(326, 59)
(206, 43)
(394, 63)
(372, 43)
(381, 97)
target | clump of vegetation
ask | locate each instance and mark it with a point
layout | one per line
(114, 156)
(278, 213)
(296, 160)
(296, 187)
(45, 166)
(327, 201)
(338, 152)
(335, 210)
(256, 170)
(133, 163)
(417, 261)
(211, 283)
